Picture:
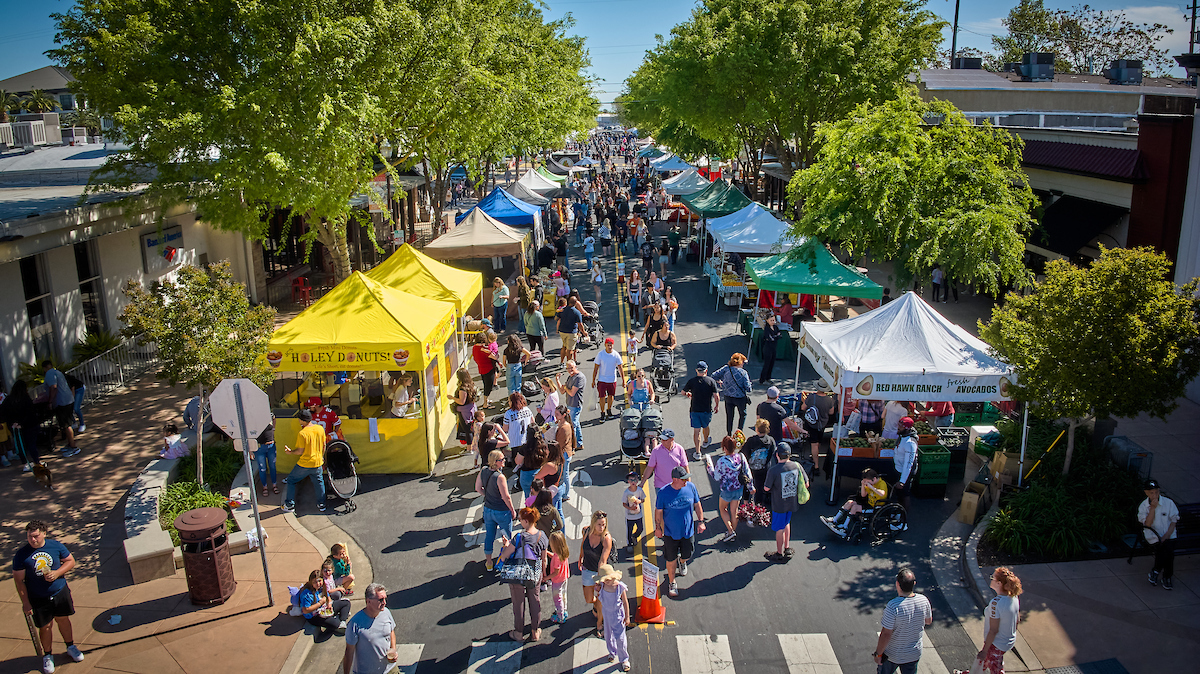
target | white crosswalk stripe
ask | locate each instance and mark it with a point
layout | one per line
(495, 657)
(407, 657)
(702, 654)
(809, 654)
(698, 654)
(590, 656)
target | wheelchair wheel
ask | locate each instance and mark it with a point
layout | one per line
(889, 521)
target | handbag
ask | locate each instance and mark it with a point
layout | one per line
(521, 570)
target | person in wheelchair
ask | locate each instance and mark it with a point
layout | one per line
(872, 491)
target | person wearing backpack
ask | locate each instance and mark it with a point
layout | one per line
(757, 451)
(817, 408)
(733, 475)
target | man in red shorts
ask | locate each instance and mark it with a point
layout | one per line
(609, 367)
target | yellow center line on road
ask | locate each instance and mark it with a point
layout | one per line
(647, 538)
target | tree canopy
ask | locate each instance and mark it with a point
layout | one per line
(242, 107)
(1084, 39)
(1117, 338)
(745, 72)
(919, 184)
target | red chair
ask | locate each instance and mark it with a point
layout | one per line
(300, 288)
(305, 297)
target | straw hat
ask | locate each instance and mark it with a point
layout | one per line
(605, 571)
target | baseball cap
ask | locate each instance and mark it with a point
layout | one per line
(906, 422)
(702, 365)
(609, 340)
(314, 401)
(773, 392)
(305, 415)
(633, 475)
(1150, 484)
(680, 473)
(668, 433)
(783, 451)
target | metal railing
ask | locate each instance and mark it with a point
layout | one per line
(115, 369)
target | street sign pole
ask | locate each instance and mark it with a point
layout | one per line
(262, 538)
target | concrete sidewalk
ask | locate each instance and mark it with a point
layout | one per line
(149, 627)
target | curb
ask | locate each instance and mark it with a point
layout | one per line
(321, 536)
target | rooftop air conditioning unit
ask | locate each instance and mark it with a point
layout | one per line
(1037, 67)
(1011, 67)
(967, 63)
(1124, 71)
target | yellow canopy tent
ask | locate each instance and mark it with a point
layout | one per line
(412, 271)
(364, 325)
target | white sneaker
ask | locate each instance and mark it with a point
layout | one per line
(82, 427)
(697, 456)
(75, 653)
(672, 591)
(28, 467)
(48, 664)
(682, 568)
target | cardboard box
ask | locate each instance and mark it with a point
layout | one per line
(1006, 463)
(975, 500)
(997, 485)
(865, 452)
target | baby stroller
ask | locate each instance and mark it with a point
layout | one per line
(651, 426)
(594, 332)
(339, 469)
(632, 446)
(663, 374)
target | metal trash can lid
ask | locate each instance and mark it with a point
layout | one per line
(200, 522)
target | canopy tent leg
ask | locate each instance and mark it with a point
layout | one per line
(796, 384)
(837, 435)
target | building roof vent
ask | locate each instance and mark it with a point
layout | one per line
(1036, 67)
(1124, 71)
(967, 63)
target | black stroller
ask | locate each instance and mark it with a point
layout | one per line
(592, 328)
(339, 469)
(662, 372)
(633, 448)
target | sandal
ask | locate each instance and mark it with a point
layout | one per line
(625, 666)
(275, 488)
(264, 492)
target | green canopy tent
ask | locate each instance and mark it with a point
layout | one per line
(541, 171)
(809, 269)
(651, 152)
(719, 198)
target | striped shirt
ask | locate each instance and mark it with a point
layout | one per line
(906, 617)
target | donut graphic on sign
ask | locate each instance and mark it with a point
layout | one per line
(274, 358)
(400, 356)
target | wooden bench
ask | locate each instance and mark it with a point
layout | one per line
(1187, 532)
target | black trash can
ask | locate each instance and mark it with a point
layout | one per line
(206, 559)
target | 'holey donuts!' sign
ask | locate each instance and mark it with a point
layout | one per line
(337, 358)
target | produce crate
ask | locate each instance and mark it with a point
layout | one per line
(984, 449)
(927, 440)
(990, 413)
(954, 437)
(957, 470)
(933, 456)
(933, 474)
(967, 418)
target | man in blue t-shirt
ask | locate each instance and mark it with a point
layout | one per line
(62, 403)
(39, 569)
(677, 518)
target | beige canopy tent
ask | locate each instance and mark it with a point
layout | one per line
(479, 235)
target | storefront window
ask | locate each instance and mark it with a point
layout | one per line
(90, 292)
(37, 306)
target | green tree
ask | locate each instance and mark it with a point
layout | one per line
(1117, 338)
(917, 183)
(9, 103)
(205, 330)
(39, 101)
(1031, 28)
(85, 117)
(781, 67)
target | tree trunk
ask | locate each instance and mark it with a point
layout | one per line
(334, 239)
(200, 442)
(1070, 445)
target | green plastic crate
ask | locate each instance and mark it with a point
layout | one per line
(966, 419)
(933, 455)
(984, 449)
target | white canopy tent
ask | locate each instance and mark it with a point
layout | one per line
(753, 230)
(688, 182)
(535, 182)
(904, 350)
(669, 162)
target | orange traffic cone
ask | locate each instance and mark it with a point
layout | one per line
(650, 608)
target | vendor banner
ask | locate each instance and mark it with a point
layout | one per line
(929, 387)
(337, 357)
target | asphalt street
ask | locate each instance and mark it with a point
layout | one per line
(736, 611)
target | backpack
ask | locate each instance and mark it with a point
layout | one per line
(728, 470)
(812, 417)
(759, 458)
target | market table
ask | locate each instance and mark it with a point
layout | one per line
(785, 347)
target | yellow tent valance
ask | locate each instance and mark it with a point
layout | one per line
(363, 325)
(412, 271)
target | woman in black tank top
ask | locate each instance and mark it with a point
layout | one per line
(593, 551)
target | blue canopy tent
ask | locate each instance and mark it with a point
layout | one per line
(510, 210)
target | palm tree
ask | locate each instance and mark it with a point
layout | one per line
(9, 102)
(39, 101)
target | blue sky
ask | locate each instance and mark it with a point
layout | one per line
(618, 32)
